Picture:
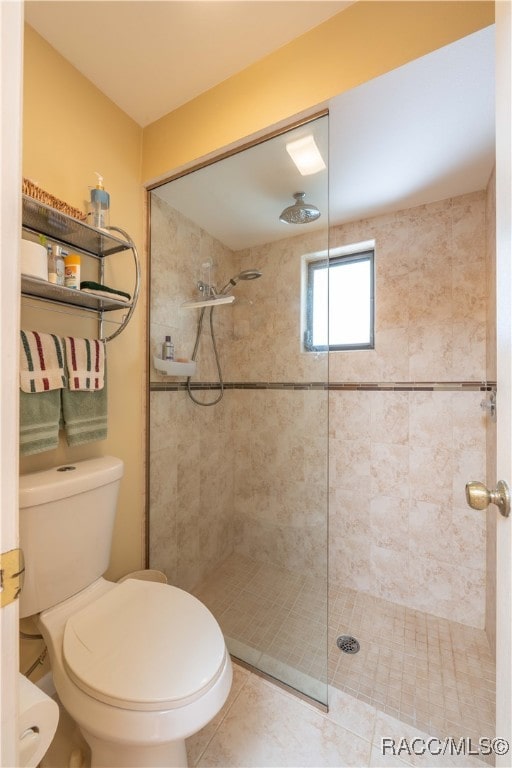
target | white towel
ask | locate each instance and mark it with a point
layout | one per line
(41, 362)
(85, 362)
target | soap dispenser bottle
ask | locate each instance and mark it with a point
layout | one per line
(100, 205)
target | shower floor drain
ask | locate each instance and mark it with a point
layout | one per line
(348, 644)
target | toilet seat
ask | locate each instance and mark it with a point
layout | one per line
(144, 646)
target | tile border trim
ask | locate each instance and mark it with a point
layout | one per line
(331, 386)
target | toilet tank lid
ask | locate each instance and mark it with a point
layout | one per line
(68, 480)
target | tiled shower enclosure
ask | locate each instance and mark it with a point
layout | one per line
(372, 447)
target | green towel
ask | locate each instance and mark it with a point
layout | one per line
(39, 421)
(104, 290)
(85, 414)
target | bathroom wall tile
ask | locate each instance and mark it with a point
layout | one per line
(469, 421)
(389, 417)
(389, 464)
(431, 470)
(174, 278)
(391, 300)
(164, 479)
(389, 522)
(349, 415)
(469, 285)
(349, 514)
(392, 356)
(162, 433)
(389, 569)
(429, 235)
(468, 225)
(391, 248)
(468, 361)
(430, 296)
(353, 463)
(350, 562)
(387, 362)
(437, 580)
(449, 590)
(430, 529)
(467, 465)
(431, 418)
(455, 537)
(469, 538)
(431, 352)
(269, 475)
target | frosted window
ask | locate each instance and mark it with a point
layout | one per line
(340, 307)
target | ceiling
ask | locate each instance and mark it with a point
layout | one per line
(420, 133)
(151, 56)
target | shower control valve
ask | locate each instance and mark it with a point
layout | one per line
(206, 290)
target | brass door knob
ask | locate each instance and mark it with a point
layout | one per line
(479, 497)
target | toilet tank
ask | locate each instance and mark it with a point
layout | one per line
(67, 518)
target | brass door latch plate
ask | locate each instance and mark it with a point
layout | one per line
(12, 570)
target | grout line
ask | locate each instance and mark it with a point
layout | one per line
(221, 720)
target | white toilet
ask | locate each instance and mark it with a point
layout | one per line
(138, 665)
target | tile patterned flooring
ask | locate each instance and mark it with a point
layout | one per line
(263, 726)
(429, 673)
(415, 677)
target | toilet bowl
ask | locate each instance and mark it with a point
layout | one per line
(138, 665)
(129, 665)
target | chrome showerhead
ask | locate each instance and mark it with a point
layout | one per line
(247, 274)
(300, 212)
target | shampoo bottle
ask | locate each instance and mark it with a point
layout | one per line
(168, 349)
(99, 210)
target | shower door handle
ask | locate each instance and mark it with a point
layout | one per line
(479, 497)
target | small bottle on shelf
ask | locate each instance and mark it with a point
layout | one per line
(168, 349)
(59, 263)
(55, 265)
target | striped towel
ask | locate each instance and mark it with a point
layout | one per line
(85, 415)
(85, 361)
(41, 362)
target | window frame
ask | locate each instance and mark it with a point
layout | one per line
(364, 254)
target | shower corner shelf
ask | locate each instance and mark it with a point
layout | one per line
(196, 304)
(173, 367)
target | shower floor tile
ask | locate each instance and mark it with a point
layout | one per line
(430, 673)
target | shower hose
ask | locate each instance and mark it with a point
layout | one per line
(217, 361)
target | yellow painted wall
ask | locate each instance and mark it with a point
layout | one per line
(70, 130)
(360, 43)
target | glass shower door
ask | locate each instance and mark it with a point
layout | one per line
(239, 488)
